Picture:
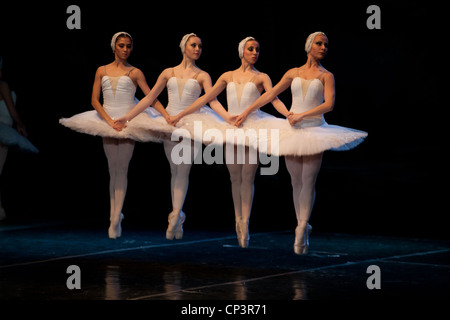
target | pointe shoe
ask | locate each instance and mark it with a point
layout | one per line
(244, 237)
(116, 232)
(238, 230)
(301, 244)
(175, 228)
(179, 231)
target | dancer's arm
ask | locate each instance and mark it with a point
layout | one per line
(277, 103)
(267, 97)
(95, 100)
(142, 83)
(148, 99)
(215, 104)
(326, 106)
(209, 95)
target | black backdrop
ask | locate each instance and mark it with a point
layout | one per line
(387, 83)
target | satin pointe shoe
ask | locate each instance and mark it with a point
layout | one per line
(115, 232)
(301, 244)
(244, 237)
(238, 230)
(175, 228)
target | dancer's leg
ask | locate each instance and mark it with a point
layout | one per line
(242, 178)
(303, 171)
(118, 153)
(179, 185)
(179, 178)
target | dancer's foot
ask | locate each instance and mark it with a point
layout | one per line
(115, 229)
(238, 230)
(175, 228)
(243, 235)
(301, 244)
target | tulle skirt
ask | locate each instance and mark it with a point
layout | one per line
(148, 126)
(271, 135)
(260, 131)
(11, 138)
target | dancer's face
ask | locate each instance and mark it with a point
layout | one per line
(193, 48)
(319, 47)
(251, 51)
(124, 46)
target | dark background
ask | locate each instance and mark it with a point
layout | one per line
(387, 83)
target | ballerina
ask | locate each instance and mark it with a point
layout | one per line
(117, 81)
(244, 86)
(184, 84)
(10, 137)
(303, 144)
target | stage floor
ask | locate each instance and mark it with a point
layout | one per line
(208, 265)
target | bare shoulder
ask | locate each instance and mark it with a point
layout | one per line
(167, 73)
(226, 76)
(292, 73)
(327, 76)
(263, 76)
(136, 72)
(203, 75)
(101, 71)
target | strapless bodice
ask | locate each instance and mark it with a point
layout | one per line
(240, 96)
(118, 95)
(306, 95)
(182, 93)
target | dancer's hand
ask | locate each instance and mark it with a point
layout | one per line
(173, 120)
(294, 118)
(21, 129)
(231, 119)
(119, 124)
(240, 119)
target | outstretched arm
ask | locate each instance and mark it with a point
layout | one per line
(148, 99)
(142, 83)
(277, 103)
(215, 104)
(210, 95)
(267, 97)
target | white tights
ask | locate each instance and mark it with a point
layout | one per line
(119, 153)
(179, 180)
(242, 178)
(303, 171)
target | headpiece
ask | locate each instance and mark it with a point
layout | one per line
(184, 40)
(242, 45)
(310, 40)
(114, 39)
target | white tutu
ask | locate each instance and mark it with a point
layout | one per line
(118, 95)
(90, 122)
(10, 137)
(272, 135)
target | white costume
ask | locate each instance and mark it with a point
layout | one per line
(8, 135)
